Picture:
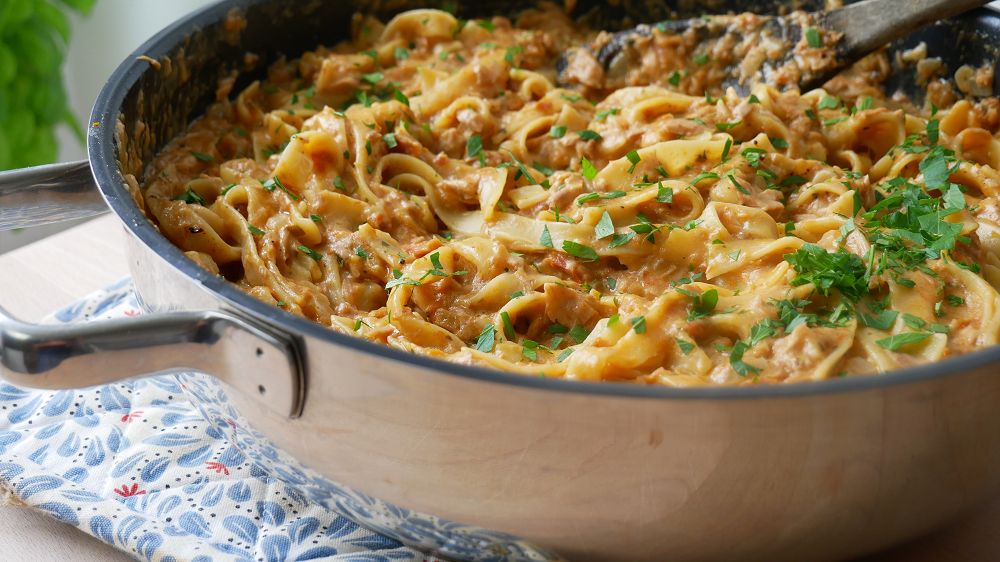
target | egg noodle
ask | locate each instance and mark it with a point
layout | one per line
(429, 186)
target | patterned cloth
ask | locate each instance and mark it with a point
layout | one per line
(138, 466)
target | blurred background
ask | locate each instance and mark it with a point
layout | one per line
(54, 57)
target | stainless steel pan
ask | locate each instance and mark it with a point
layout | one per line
(502, 463)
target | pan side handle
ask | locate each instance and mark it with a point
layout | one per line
(264, 365)
(48, 194)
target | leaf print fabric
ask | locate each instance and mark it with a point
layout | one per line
(138, 466)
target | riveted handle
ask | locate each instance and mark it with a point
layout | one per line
(262, 364)
(48, 194)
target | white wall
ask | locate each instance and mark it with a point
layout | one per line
(100, 42)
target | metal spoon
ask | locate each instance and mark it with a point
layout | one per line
(817, 44)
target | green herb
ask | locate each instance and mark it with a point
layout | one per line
(486, 339)
(778, 142)
(485, 24)
(589, 171)
(639, 324)
(954, 300)
(834, 121)
(813, 38)
(674, 79)
(700, 59)
(373, 78)
(933, 130)
(398, 279)
(564, 355)
(603, 114)
(664, 194)
(579, 250)
(727, 126)
(557, 132)
(881, 321)
(315, 218)
(762, 330)
(474, 148)
(828, 102)
(739, 187)
(899, 341)
(546, 238)
(202, 156)
(621, 239)
(226, 189)
(338, 182)
(309, 252)
(736, 360)
(508, 326)
(914, 322)
(633, 158)
(254, 230)
(753, 156)
(529, 349)
(542, 168)
(704, 176)
(589, 135)
(401, 97)
(191, 196)
(702, 304)
(839, 270)
(390, 140)
(604, 227)
(273, 183)
(401, 54)
(725, 149)
(753, 99)
(686, 346)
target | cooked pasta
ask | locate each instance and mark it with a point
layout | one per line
(434, 186)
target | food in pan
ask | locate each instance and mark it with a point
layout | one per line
(432, 187)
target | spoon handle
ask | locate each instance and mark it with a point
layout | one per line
(870, 24)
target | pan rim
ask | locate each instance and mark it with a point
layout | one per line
(103, 156)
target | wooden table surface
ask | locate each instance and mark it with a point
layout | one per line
(44, 276)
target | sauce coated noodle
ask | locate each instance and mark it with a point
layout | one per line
(429, 186)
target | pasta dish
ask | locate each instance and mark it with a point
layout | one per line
(484, 192)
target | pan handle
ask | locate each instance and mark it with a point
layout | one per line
(264, 365)
(48, 194)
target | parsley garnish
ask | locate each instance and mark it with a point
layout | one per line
(589, 171)
(633, 158)
(254, 230)
(839, 270)
(639, 324)
(546, 238)
(309, 252)
(486, 339)
(579, 250)
(191, 196)
(899, 341)
(813, 38)
(557, 132)
(202, 156)
(604, 227)
(589, 135)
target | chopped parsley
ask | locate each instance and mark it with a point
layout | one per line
(557, 132)
(634, 159)
(686, 346)
(474, 149)
(813, 38)
(604, 227)
(639, 324)
(839, 270)
(202, 156)
(589, 171)
(254, 230)
(589, 135)
(309, 252)
(486, 339)
(901, 340)
(191, 196)
(546, 238)
(741, 367)
(578, 250)
(702, 304)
